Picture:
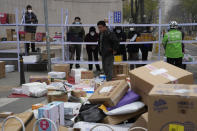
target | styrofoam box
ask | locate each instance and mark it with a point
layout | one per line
(9, 68)
(31, 59)
(57, 75)
(77, 72)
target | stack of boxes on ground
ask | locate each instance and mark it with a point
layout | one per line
(157, 97)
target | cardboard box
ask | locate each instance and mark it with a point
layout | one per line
(62, 68)
(40, 79)
(29, 36)
(109, 93)
(9, 33)
(175, 105)
(57, 96)
(143, 79)
(45, 56)
(122, 68)
(13, 125)
(78, 93)
(14, 36)
(121, 77)
(53, 111)
(6, 114)
(2, 69)
(141, 122)
(114, 120)
(87, 75)
(11, 19)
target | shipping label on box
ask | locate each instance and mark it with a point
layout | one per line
(143, 79)
(87, 75)
(53, 111)
(175, 106)
(109, 93)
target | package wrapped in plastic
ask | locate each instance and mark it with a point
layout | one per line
(126, 109)
(86, 126)
(34, 89)
(57, 75)
(17, 91)
(56, 86)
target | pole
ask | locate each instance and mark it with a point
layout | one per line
(47, 34)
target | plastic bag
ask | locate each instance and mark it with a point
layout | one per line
(93, 114)
(127, 99)
(127, 109)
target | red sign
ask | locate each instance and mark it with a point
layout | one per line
(44, 124)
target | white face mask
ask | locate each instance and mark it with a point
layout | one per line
(92, 33)
(30, 11)
(131, 29)
(118, 31)
(77, 23)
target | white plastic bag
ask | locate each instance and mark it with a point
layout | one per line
(126, 109)
(57, 75)
(34, 89)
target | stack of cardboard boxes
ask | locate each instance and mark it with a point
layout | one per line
(143, 79)
(11, 35)
(2, 69)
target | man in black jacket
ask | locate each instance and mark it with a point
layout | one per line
(122, 38)
(108, 46)
(30, 18)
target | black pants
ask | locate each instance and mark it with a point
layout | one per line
(92, 51)
(107, 62)
(144, 51)
(75, 49)
(33, 47)
(122, 51)
(175, 61)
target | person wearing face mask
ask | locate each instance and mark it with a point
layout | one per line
(76, 34)
(133, 49)
(122, 38)
(92, 50)
(30, 18)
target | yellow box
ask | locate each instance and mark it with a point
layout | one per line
(118, 58)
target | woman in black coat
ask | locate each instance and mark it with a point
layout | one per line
(92, 50)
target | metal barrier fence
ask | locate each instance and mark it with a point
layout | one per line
(64, 28)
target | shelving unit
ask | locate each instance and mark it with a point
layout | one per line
(64, 28)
